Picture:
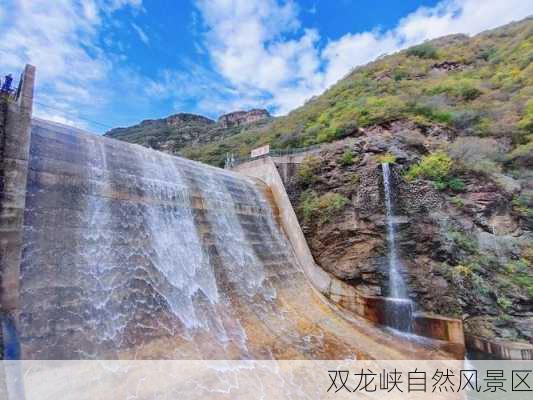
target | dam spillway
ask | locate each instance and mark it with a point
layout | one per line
(123, 245)
(132, 253)
(112, 250)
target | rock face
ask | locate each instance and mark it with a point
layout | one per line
(171, 133)
(464, 254)
(238, 118)
(182, 131)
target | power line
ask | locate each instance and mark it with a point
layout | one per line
(73, 116)
(68, 114)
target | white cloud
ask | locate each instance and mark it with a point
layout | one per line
(253, 45)
(60, 38)
(142, 35)
(260, 54)
(259, 45)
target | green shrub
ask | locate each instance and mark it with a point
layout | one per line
(336, 132)
(469, 93)
(307, 170)
(462, 89)
(461, 274)
(526, 122)
(321, 207)
(399, 74)
(386, 158)
(433, 113)
(465, 119)
(488, 53)
(374, 110)
(504, 303)
(457, 201)
(523, 154)
(524, 281)
(480, 287)
(456, 184)
(521, 272)
(424, 50)
(464, 242)
(308, 204)
(326, 135)
(440, 184)
(521, 207)
(347, 158)
(435, 166)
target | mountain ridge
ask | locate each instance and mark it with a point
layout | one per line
(172, 133)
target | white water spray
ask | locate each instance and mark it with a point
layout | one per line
(397, 286)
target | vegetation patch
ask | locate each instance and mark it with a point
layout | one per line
(355, 179)
(386, 158)
(521, 207)
(437, 168)
(424, 50)
(464, 242)
(347, 158)
(457, 201)
(521, 274)
(475, 154)
(308, 169)
(322, 207)
(462, 89)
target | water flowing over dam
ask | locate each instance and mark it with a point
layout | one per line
(124, 244)
(129, 252)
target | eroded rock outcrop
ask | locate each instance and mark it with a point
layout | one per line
(238, 118)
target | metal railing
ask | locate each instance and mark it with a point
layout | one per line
(271, 153)
(12, 92)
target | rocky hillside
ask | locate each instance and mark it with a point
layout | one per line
(481, 86)
(173, 133)
(454, 118)
(465, 231)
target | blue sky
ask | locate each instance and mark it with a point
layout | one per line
(108, 63)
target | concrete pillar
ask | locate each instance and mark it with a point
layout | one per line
(15, 131)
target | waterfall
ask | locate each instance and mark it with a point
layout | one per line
(396, 284)
(398, 303)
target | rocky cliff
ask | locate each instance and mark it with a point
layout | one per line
(177, 132)
(466, 249)
(239, 118)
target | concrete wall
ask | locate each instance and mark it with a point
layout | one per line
(15, 120)
(346, 296)
(288, 165)
(500, 349)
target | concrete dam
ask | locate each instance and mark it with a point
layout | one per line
(118, 251)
